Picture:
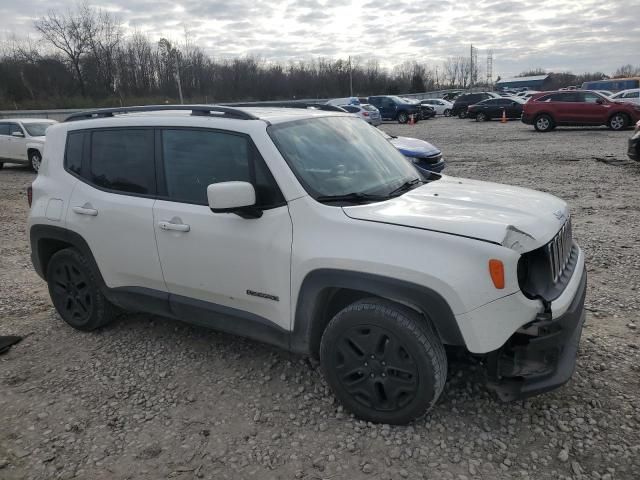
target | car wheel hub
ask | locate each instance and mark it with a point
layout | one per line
(376, 368)
(72, 292)
(617, 122)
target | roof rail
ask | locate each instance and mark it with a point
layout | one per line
(202, 110)
(291, 104)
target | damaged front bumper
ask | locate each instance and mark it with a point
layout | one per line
(541, 356)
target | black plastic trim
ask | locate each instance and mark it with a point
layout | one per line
(312, 298)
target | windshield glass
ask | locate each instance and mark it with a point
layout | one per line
(341, 155)
(37, 129)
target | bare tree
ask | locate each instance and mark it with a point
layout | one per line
(627, 71)
(70, 33)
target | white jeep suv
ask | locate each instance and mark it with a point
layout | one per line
(22, 141)
(308, 230)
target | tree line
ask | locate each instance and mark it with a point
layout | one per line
(83, 58)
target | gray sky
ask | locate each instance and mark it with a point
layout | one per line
(582, 35)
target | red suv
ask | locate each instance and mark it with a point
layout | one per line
(546, 110)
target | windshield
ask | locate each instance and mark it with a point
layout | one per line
(334, 156)
(37, 129)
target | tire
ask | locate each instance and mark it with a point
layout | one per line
(384, 362)
(447, 112)
(482, 117)
(35, 159)
(618, 121)
(403, 117)
(544, 123)
(75, 292)
(462, 114)
(1, 165)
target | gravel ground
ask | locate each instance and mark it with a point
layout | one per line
(147, 398)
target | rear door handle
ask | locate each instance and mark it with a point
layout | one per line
(176, 227)
(85, 210)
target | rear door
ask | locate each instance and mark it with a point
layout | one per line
(4, 141)
(220, 262)
(565, 106)
(111, 206)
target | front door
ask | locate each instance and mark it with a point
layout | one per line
(593, 108)
(218, 261)
(17, 145)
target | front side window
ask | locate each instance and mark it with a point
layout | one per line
(4, 129)
(37, 129)
(123, 160)
(195, 159)
(632, 95)
(14, 127)
(591, 98)
(335, 156)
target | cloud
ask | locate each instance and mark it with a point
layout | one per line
(577, 35)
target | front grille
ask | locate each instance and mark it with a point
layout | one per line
(559, 251)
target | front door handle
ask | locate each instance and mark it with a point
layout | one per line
(176, 227)
(85, 210)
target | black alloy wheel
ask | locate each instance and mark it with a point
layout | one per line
(74, 291)
(384, 361)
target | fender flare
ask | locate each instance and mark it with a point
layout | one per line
(309, 320)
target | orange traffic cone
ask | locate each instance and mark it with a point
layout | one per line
(504, 117)
(411, 120)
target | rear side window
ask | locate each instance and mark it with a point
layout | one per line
(632, 95)
(560, 97)
(74, 151)
(123, 160)
(194, 159)
(4, 129)
(350, 109)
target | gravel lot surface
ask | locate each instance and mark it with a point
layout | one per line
(148, 398)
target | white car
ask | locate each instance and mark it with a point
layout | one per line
(632, 95)
(368, 113)
(22, 141)
(442, 107)
(308, 230)
(337, 102)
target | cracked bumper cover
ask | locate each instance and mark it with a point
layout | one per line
(542, 355)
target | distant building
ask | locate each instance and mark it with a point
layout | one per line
(537, 82)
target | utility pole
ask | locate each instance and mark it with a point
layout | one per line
(471, 68)
(350, 78)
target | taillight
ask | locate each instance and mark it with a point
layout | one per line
(30, 195)
(366, 114)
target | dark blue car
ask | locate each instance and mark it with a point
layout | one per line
(424, 156)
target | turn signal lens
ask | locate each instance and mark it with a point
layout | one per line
(496, 270)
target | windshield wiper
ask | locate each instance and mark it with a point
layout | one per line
(355, 197)
(406, 186)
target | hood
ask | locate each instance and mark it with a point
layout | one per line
(518, 218)
(412, 147)
(37, 139)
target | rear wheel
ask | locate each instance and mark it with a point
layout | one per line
(481, 117)
(618, 121)
(75, 292)
(462, 114)
(447, 112)
(403, 117)
(544, 123)
(384, 361)
(1, 165)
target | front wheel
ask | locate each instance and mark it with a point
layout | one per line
(447, 113)
(481, 117)
(35, 159)
(618, 121)
(75, 292)
(462, 114)
(403, 117)
(544, 123)
(384, 361)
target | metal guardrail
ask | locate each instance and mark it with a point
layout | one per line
(62, 114)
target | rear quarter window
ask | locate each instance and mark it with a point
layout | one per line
(74, 151)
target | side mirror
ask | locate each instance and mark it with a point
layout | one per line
(599, 101)
(233, 197)
(17, 134)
